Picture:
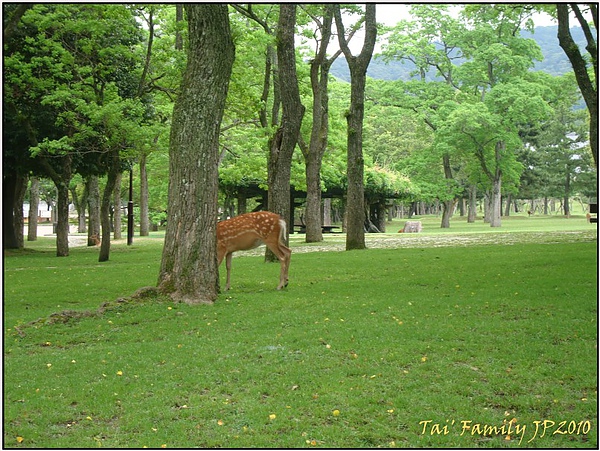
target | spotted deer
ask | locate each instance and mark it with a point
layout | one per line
(249, 231)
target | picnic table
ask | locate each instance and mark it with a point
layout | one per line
(324, 228)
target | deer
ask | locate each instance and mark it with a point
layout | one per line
(248, 231)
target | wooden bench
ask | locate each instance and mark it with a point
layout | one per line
(594, 210)
(329, 229)
(324, 229)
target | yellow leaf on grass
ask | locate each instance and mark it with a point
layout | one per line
(272, 416)
(19, 439)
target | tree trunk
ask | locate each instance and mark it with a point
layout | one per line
(241, 203)
(284, 141)
(144, 220)
(34, 205)
(319, 80)
(587, 87)
(21, 189)
(472, 215)
(508, 205)
(107, 198)
(117, 215)
(93, 209)
(567, 193)
(80, 203)
(62, 219)
(9, 237)
(313, 198)
(327, 211)
(355, 211)
(496, 201)
(447, 211)
(188, 269)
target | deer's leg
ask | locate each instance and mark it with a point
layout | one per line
(228, 266)
(283, 253)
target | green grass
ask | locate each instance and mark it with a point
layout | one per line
(390, 338)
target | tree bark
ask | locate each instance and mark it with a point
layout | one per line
(567, 193)
(80, 204)
(496, 202)
(34, 205)
(9, 237)
(107, 197)
(587, 87)
(61, 178)
(355, 236)
(117, 215)
(93, 188)
(144, 219)
(284, 141)
(472, 214)
(447, 211)
(188, 269)
(21, 188)
(62, 219)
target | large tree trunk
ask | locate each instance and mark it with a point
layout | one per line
(284, 141)
(34, 205)
(144, 220)
(188, 269)
(355, 236)
(587, 86)
(93, 189)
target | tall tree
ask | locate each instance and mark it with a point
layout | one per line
(71, 68)
(188, 269)
(313, 153)
(355, 236)
(284, 141)
(587, 85)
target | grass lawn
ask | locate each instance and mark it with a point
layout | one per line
(487, 339)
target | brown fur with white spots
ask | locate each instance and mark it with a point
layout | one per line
(250, 230)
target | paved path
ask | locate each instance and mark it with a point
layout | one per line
(75, 239)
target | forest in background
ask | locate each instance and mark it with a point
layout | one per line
(555, 62)
(90, 89)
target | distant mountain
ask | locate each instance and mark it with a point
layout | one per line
(555, 61)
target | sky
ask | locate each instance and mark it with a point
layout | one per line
(391, 13)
